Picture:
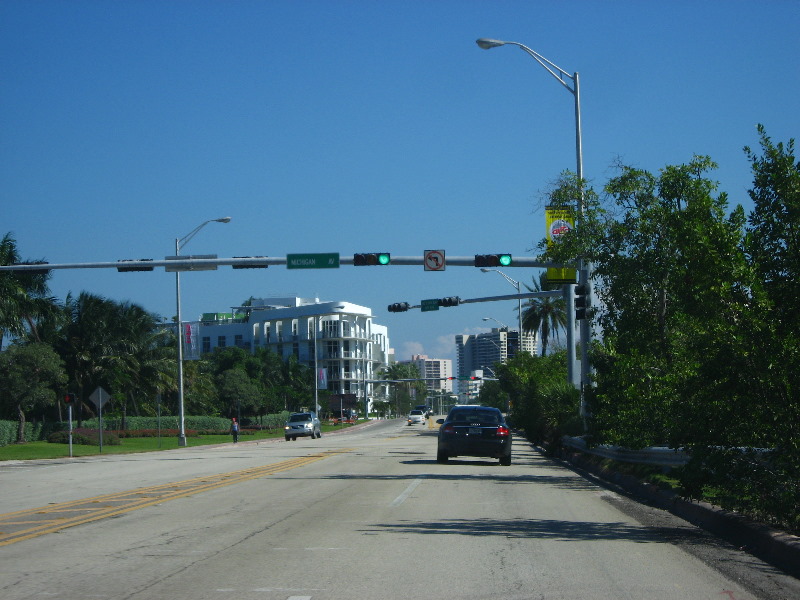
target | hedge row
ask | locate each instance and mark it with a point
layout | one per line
(33, 431)
(41, 431)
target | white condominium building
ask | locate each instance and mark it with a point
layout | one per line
(340, 339)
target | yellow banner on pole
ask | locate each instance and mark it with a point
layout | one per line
(559, 221)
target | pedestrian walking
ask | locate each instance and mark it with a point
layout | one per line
(235, 429)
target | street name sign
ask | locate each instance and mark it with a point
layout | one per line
(329, 260)
(426, 305)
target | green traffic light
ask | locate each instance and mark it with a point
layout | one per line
(505, 260)
(384, 258)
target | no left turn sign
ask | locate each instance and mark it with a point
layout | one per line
(434, 260)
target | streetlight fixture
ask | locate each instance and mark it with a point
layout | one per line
(517, 285)
(180, 243)
(562, 76)
(503, 325)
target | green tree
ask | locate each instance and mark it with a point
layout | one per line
(492, 394)
(540, 399)
(298, 383)
(86, 344)
(201, 396)
(117, 346)
(773, 240)
(545, 316)
(30, 377)
(24, 296)
(773, 245)
(238, 393)
(670, 278)
(404, 398)
(143, 362)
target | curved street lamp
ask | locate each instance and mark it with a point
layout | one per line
(180, 243)
(565, 79)
(517, 285)
(503, 325)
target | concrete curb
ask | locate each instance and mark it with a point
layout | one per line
(776, 547)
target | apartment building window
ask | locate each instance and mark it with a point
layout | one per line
(206, 342)
(221, 343)
(332, 350)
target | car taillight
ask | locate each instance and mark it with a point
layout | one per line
(502, 431)
(449, 429)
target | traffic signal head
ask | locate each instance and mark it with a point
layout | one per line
(69, 398)
(399, 307)
(122, 268)
(450, 301)
(581, 301)
(371, 258)
(493, 260)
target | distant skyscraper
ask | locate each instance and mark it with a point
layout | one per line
(435, 371)
(482, 353)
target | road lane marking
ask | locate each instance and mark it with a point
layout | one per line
(26, 524)
(402, 497)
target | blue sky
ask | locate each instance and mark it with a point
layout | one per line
(358, 126)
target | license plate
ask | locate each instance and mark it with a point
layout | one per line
(474, 430)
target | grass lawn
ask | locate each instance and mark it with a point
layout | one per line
(39, 450)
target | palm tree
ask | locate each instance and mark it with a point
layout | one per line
(142, 363)
(24, 295)
(544, 315)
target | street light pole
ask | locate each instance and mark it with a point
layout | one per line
(516, 284)
(180, 243)
(585, 331)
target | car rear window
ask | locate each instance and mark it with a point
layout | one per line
(488, 417)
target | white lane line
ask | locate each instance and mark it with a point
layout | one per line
(402, 497)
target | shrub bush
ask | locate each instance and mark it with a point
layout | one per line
(84, 437)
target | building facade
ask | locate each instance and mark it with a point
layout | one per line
(435, 371)
(340, 340)
(477, 356)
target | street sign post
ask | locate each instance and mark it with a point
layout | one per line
(329, 260)
(99, 397)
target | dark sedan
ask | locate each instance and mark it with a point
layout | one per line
(474, 431)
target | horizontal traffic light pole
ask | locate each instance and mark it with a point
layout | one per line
(404, 306)
(211, 262)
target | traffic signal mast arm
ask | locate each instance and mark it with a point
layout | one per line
(484, 299)
(201, 262)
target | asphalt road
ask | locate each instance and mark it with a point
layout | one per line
(366, 513)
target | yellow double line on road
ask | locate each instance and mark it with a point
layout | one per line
(30, 523)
